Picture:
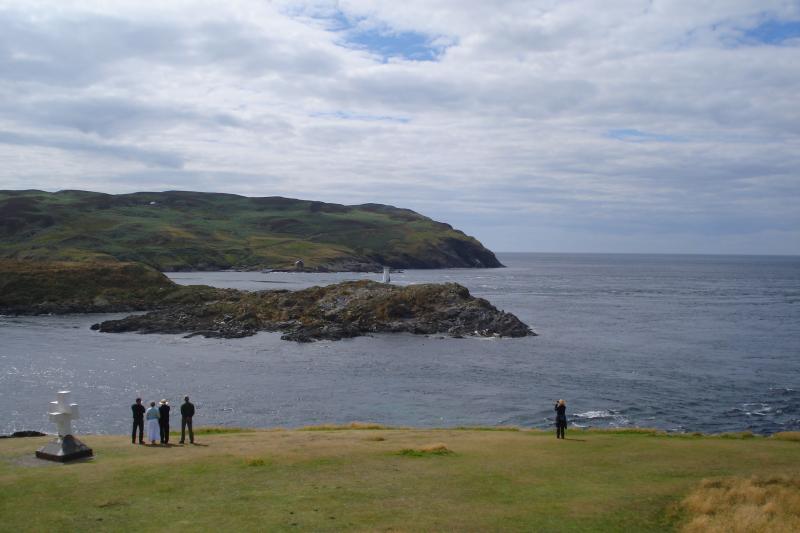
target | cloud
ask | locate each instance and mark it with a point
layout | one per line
(150, 158)
(109, 116)
(605, 125)
(77, 49)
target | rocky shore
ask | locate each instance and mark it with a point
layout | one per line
(334, 312)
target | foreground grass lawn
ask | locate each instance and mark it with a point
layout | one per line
(378, 480)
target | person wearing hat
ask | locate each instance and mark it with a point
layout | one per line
(163, 420)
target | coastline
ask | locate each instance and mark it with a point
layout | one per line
(363, 426)
(633, 327)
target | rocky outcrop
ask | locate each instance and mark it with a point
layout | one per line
(333, 312)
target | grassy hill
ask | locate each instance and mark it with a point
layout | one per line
(38, 287)
(380, 479)
(179, 230)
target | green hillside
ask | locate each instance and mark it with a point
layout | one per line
(179, 230)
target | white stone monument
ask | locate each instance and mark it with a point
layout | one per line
(386, 277)
(63, 413)
(66, 447)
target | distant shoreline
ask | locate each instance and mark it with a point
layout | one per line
(361, 426)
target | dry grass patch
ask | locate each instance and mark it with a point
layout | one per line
(351, 425)
(217, 430)
(626, 431)
(744, 505)
(736, 435)
(787, 435)
(427, 450)
(487, 428)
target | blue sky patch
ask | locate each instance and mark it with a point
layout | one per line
(389, 44)
(632, 135)
(773, 32)
(379, 39)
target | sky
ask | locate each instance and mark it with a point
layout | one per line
(625, 126)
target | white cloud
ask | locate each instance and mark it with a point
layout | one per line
(515, 121)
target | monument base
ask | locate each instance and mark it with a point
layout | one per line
(64, 449)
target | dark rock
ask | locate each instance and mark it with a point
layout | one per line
(22, 434)
(333, 312)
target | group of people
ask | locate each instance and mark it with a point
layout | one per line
(158, 421)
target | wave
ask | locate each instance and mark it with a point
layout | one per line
(612, 417)
(783, 390)
(595, 414)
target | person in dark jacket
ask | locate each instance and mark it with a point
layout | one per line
(138, 421)
(163, 421)
(561, 418)
(187, 412)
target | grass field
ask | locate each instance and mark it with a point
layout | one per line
(330, 479)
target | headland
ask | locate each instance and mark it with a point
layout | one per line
(186, 230)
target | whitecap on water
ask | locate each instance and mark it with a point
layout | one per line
(595, 414)
(756, 409)
(612, 417)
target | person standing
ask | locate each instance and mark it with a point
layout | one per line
(138, 421)
(153, 433)
(187, 412)
(561, 418)
(163, 420)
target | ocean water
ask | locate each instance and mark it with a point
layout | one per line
(682, 343)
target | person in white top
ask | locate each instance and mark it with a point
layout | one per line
(153, 431)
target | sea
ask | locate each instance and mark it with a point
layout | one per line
(682, 343)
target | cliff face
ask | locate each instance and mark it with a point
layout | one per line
(181, 230)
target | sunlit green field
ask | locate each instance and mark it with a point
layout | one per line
(378, 480)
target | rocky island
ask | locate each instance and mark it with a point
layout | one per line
(347, 309)
(333, 312)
